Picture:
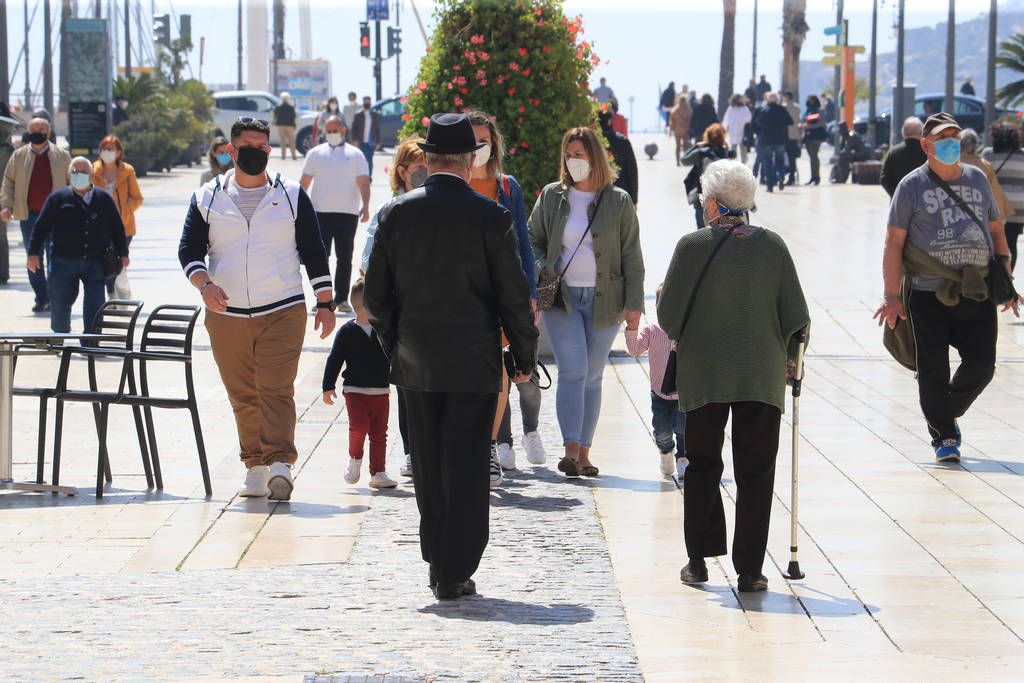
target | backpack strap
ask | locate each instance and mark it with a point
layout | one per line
(506, 185)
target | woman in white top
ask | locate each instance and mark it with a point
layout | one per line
(735, 119)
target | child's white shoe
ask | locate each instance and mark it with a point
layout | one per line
(355, 467)
(668, 465)
(381, 480)
(681, 463)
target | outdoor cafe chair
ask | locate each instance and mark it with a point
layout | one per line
(166, 337)
(115, 317)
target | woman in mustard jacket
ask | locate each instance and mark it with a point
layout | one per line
(115, 176)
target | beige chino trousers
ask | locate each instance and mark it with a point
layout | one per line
(258, 359)
(286, 137)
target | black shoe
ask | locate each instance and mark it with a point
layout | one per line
(752, 584)
(41, 308)
(433, 581)
(451, 590)
(695, 571)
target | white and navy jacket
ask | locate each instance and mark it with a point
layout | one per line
(255, 262)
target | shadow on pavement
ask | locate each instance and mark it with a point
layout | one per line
(505, 498)
(482, 608)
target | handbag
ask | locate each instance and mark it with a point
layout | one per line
(512, 369)
(112, 263)
(1000, 283)
(549, 285)
(668, 384)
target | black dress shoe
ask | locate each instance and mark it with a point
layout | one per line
(41, 308)
(695, 571)
(748, 583)
(433, 581)
(450, 590)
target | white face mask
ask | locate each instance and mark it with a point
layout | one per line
(108, 156)
(482, 156)
(579, 169)
(335, 139)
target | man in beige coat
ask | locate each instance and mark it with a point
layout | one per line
(34, 171)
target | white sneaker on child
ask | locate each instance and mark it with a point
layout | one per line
(406, 470)
(381, 480)
(535, 454)
(668, 465)
(506, 456)
(355, 467)
(681, 463)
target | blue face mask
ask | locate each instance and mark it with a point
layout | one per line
(81, 181)
(224, 159)
(947, 151)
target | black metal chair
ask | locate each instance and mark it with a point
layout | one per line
(117, 317)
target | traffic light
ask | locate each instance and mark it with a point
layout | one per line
(162, 30)
(185, 29)
(364, 39)
(394, 41)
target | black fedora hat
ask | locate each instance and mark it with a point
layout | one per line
(450, 134)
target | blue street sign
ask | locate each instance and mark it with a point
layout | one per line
(377, 10)
(830, 31)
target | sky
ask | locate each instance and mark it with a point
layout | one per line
(643, 47)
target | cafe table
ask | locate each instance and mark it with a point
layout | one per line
(23, 344)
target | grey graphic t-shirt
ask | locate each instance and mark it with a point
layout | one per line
(937, 225)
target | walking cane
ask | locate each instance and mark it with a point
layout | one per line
(793, 571)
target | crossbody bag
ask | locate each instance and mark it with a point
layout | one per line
(549, 285)
(668, 384)
(1000, 283)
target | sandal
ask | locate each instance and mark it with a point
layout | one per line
(588, 470)
(568, 466)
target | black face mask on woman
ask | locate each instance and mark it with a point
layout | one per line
(252, 160)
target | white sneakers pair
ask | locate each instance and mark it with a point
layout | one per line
(275, 482)
(535, 453)
(673, 464)
(380, 480)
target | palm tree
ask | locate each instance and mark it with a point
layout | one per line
(727, 63)
(794, 30)
(1011, 56)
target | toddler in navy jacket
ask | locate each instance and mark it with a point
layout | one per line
(365, 387)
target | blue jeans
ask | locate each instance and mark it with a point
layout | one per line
(368, 148)
(38, 278)
(65, 274)
(581, 351)
(667, 421)
(774, 164)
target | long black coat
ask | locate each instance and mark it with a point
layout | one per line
(444, 275)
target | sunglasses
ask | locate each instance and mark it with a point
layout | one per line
(249, 121)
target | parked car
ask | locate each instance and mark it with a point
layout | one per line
(228, 106)
(969, 111)
(391, 112)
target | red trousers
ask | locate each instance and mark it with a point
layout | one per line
(368, 416)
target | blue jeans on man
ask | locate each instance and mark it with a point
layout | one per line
(774, 165)
(65, 275)
(668, 422)
(38, 278)
(368, 148)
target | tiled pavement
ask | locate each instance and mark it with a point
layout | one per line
(913, 569)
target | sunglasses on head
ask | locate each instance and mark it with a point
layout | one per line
(249, 120)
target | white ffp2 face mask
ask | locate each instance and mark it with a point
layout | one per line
(108, 156)
(335, 139)
(482, 156)
(579, 169)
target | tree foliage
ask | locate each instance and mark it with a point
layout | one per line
(1011, 56)
(521, 61)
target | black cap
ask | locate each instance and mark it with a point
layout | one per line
(936, 123)
(450, 134)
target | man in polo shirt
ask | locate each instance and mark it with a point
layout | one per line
(924, 215)
(34, 171)
(340, 176)
(256, 230)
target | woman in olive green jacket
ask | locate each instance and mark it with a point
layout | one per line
(603, 283)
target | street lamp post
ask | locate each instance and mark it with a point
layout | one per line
(239, 84)
(950, 57)
(873, 77)
(896, 120)
(990, 76)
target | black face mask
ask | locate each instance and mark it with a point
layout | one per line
(37, 138)
(252, 160)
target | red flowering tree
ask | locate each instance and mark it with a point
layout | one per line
(522, 61)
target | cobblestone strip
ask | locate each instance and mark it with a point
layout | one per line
(548, 608)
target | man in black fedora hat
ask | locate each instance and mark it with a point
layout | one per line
(444, 276)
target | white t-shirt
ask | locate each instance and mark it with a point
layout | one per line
(582, 271)
(334, 171)
(734, 120)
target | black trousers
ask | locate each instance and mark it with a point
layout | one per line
(451, 436)
(812, 153)
(969, 327)
(755, 443)
(403, 421)
(340, 228)
(1013, 231)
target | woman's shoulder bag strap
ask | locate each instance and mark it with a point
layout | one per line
(590, 223)
(700, 279)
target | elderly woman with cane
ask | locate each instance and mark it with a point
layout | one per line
(732, 301)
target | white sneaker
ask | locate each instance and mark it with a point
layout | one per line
(381, 480)
(255, 485)
(406, 470)
(535, 454)
(495, 468)
(355, 469)
(681, 463)
(668, 465)
(280, 482)
(506, 456)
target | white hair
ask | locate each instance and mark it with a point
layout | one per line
(772, 97)
(731, 183)
(913, 127)
(450, 161)
(78, 160)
